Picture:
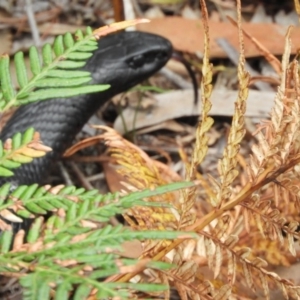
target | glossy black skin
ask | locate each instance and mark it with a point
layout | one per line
(122, 60)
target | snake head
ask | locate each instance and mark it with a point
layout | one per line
(127, 58)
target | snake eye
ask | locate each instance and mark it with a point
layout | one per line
(137, 61)
(162, 55)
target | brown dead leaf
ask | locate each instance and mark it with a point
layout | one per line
(132, 249)
(188, 35)
(178, 104)
(113, 178)
(88, 142)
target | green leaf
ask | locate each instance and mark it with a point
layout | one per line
(5, 172)
(43, 290)
(34, 231)
(58, 46)
(34, 58)
(147, 287)
(65, 92)
(5, 79)
(62, 82)
(79, 35)
(82, 292)
(67, 74)
(29, 192)
(87, 48)
(24, 213)
(4, 190)
(35, 208)
(58, 203)
(63, 289)
(68, 40)
(22, 95)
(89, 30)
(47, 55)
(78, 56)
(105, 272)
(69, 64)
(83, 208)
(6, 240)
(17, 193)
(40, 192)
(58, 223)
(28, 136)
(16, 141)
(46, 205)
(10, 164)
(21, 69)
(71, 213)
(157, 191)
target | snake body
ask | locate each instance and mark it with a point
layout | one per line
(121, 60)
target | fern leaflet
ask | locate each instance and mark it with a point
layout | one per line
(54, 76)
(21, 149)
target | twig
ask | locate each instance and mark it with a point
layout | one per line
(81, 177)
(95, 177)
(32, 24)
(176, 79)
(65, 174)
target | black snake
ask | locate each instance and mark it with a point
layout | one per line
(121, 60)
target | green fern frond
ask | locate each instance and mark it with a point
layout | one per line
(80, 261)
(21, 149)
(54, 76)
(82, 210)
(37, 284)
(68, 253)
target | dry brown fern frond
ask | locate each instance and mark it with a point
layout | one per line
(273, 175)
(228, 164)
(249, 212)
(201, 145)
(277, 147)
(140, 172)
